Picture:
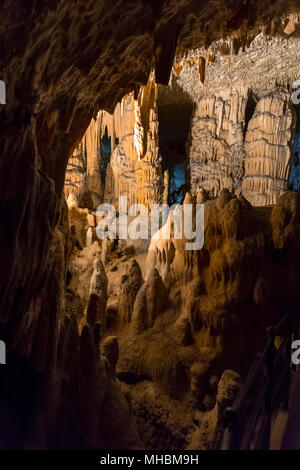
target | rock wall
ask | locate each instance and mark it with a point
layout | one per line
(84, 170)
(216, 150)
(236, 271)
(269, 147)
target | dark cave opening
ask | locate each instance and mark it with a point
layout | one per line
(174, 115)
(294, 181)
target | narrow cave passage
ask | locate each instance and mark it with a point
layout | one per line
(174, 116)
(294, 182)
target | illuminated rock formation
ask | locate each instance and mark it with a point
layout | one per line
(221, 284)
(240, 136)
(84, 167)
(269, 149)
(97, 302)
(212, 423)
(63, 61)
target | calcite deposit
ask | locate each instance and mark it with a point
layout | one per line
(240, 136)
(142, 344)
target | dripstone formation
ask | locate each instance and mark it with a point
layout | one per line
(142, 344)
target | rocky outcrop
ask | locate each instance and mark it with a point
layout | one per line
(260, 161)
(124, 176)
(229, 150)
(135, 163)
(93, 387)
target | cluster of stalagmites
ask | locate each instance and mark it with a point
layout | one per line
(189, 327)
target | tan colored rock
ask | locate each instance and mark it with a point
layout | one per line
(201, 196)
(83, 171)
(202, 69)
(211, 427)
(91, 220)
(166, 187)
(106, 250)
(285, 221)
(89, 237)
(109, 190)
(62, 65)
(199, 374)
(130, 286)
(110, 350)
(90, 200)
(72, 201)
(96, 307)
(216, 150)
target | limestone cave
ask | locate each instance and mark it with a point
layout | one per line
(137, 342)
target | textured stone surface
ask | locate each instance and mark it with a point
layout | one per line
(209, 434)
(252, 157)
(151, 300)
(84, 167)
(216, 152)
(269, 149)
